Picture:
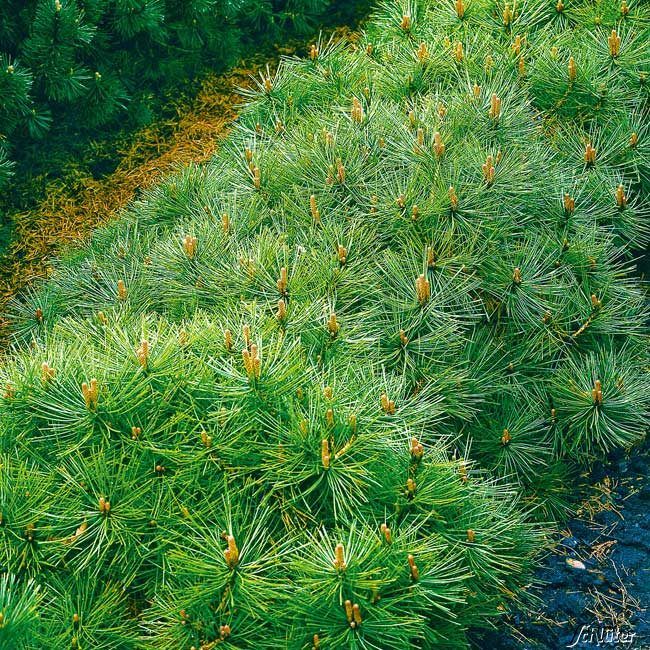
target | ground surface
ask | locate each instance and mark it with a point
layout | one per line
(610, 538)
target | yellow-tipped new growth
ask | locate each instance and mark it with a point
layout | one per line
(489, 170)
(231, 554)
(569, 204)
(252, 362)
(121, 290)
(423, 289)
(422, 53)
(597, 393)
(333, 326)
(104, 506)
(621, 199)
(385, 530)
(516, 275)
(227, 340)
(460, 9)
(313, 208)
(142, 353)
(325, 455)
(458, 51)
(590, 154)
(453, 198)
(406, 22)
(387, 405)
(282, 281)
(357, 113)
(47, 373)
(495, 107)
(573, 69)
(413, 567)
(417, 450)
(342, 253)
(438, 145)
(614, 43)
(190, 245)
(90, 393)
(339, 558)
(281, 313)
(506, 437)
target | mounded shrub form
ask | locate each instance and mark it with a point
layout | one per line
(332, 389)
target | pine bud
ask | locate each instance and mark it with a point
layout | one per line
(313, 208)
(225, 222)
(342, 253)
(471, 535)
(453, 198)
(385, 530)
(489, 170)
(268, 84)
(614, 43)
(597, 393)
(231, 554)
(417, 450)
(357, 113)
(315, 642)
(224, 631)
(403, 338)
(460, 9)
(329, 417)
(90, 394)
(506, 437)
(569, 204)
(246, 330)
(328, 393)
(590, 154)
(423, 53)
(281, 314)
(257, 178)
(57, 6)
(135, 433)
(625, 10)
(415, 213)
(458, 51)
(325, 453)
(313, 53)
(438, 145)
(573, 70)
(282, 281)
(387, 405)
(521, 67)
(507, 15)
(142, 353)
(476, 91)
(356, 613)
(10, 391)
(413, 567)
(339, 560)
(621, 199)
(595, 303)
(352, 421)
(559, 7)
(47, 373)
(410, 487)
(516, 275)
(121, 290)
(516, 44)
(340, 172)
(227, 340)
(189, 246)
(495, 107)
(423, 289)
(489, 63)
(332, 325)
(348, 611)
(406, 22)
(634, 140)
(104, 506)
(252, 362)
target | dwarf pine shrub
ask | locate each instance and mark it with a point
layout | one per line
(328, 390)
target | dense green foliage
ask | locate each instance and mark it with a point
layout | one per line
(80, 64)
(322, 391)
